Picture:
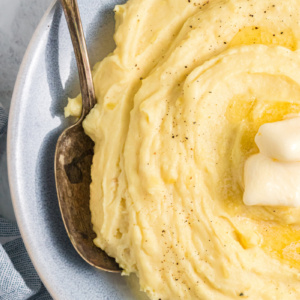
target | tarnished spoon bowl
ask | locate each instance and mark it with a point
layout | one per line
(73, 159)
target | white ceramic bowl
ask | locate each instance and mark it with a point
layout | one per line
(48, 75)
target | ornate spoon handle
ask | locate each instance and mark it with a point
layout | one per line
(72, 15)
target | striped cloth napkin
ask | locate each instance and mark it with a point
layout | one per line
(18, 278)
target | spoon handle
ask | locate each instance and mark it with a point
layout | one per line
(70, 8)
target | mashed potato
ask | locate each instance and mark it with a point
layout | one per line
(180, 101)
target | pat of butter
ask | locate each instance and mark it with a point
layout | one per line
(271, 183)
(280, 140)
(272, 177)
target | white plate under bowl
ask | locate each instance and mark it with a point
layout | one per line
(48, 75)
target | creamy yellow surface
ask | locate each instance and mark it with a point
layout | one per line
(180, 101)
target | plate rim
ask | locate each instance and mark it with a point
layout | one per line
(13, 121)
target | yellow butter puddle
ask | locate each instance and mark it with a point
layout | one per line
(282, 242)
(279, 240)
(259, 35)
(250, 114)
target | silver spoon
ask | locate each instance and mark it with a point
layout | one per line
(73, 158)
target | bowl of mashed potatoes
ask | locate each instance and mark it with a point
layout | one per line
(196, 173)
(191, 189)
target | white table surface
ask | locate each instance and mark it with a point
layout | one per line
(18, 20)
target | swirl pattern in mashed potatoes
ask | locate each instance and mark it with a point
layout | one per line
(179, 103)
